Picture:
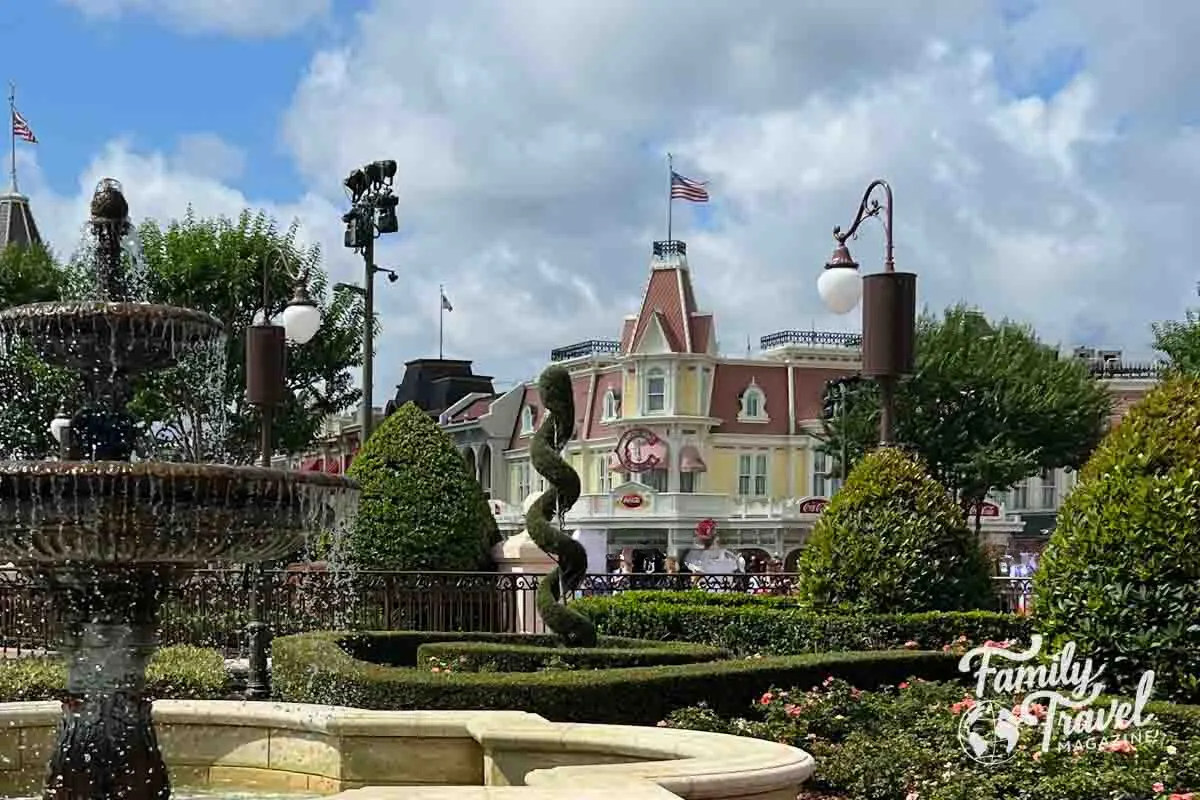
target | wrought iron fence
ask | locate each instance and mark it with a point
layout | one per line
(211, 608)
(1015, 594)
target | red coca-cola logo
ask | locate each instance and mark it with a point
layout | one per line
(632, 500)
(986, 509)
(813, 506)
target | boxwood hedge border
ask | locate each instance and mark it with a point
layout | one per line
(357, 669)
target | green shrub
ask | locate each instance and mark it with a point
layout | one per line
(420, 508)
(903, 741)
(703, 597)
(460, 656)
(331, 667)
(893, 541)
(178, 672)
(1120, 575)
(767, 627)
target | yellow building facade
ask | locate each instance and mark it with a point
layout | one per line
(736, 437)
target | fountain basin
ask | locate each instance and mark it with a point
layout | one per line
(471, 755)
(160, 513)
(127, 337)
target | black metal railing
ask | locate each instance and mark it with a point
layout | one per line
(592, 347)
(670, 247)
(1126, 369)
(1015, 594)
(810, 339)
(210, 610)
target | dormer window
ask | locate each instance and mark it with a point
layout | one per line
(656, 391)
(612, 406)
(528, 415)
(753, 404)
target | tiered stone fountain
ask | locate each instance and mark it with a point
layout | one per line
(112, 535)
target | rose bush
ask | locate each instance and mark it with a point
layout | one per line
(903, 742)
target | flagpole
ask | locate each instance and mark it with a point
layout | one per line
(441, 316)
(12, 135)
(670, 199)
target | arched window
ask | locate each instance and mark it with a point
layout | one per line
(753, 405)
(612, 405)
(656, 391)
(527, 419)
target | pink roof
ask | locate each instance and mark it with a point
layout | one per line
(730, 380)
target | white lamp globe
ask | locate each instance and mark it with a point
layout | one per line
(59, 426)
(840, 289)
(301, 321)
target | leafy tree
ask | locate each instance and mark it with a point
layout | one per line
(893, 541)
(33, 391)
(988, 405)
(420, 508)
(1120, 575)
(216, 265)
(1180, 342)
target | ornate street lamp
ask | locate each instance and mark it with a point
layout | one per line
(60, 429)
(889, 301)
(266, 386)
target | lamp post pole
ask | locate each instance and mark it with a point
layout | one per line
(367, 421)
(266, 356)
(889, 301)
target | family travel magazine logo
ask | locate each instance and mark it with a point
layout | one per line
(1056, 693)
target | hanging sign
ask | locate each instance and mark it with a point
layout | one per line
(813, 505)
(640, 450)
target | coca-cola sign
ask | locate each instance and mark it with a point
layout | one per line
(987, 509)
(632, 500)
(813, 505)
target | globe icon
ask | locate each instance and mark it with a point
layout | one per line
(989, 733)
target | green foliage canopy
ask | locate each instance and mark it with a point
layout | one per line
(217, 265)
(987, 406)
(893, 541)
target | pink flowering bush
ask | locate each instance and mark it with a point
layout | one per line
(903, 742)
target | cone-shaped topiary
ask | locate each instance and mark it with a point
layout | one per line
(892, 540)
(420, 506)
(1120, 575)
(543, 519)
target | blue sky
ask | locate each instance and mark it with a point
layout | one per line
(134, 79)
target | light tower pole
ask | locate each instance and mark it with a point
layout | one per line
(372, 213)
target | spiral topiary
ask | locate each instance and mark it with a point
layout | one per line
(544, 516)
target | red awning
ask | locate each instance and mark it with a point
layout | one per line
(690, 460)
(311, 465)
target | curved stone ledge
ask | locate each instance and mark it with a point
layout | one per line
(427, 755)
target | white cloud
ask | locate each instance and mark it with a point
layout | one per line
(531, 137)
(242, 18)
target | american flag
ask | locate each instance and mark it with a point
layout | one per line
(687, 189)
(21, 129)
(446, 303)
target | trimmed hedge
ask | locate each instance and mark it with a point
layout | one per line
(703, 597)
(462, 656)
(178, 672)
(774, 629)
(320, 668)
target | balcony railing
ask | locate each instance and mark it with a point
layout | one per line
(671, 247)
(1126, 369)
(810, 339)
(592, 347)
